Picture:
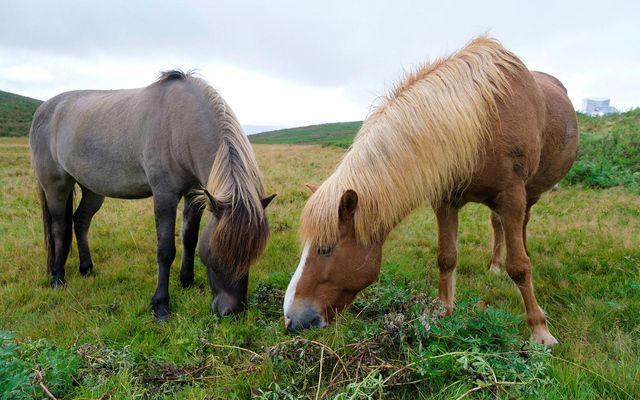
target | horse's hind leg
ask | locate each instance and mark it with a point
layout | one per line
(57, 210)
(527, 215)
(512, 208)
(447, 217)
(89, 206)
(497, 244)
(190, 225)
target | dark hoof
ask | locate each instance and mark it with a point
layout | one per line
(58, 282)
(224, 305)
(187, 282)
(86, 271)
(161, 312)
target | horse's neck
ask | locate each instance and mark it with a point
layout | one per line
(203, 150)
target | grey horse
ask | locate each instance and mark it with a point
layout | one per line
(172, 139)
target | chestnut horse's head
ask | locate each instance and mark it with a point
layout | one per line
(331, 274)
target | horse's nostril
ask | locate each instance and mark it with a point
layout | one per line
(308, 319)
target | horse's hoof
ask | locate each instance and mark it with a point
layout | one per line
(187, 282)
(495, 269)
(543, 336)
(86, 271)
(224, 305)
(161, 312)
(58, 282)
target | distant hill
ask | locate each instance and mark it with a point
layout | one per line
(16, 113)
(333, 134)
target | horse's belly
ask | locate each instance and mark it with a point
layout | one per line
(115, 182)
(129, 191)
(109, 166)
(111, 176)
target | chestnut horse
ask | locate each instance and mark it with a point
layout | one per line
(175, 138)
(476, 126)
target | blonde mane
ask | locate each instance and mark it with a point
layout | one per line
(234, 176)
(420, 144)
(235, 183)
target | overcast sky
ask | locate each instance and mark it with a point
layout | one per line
(290, 63)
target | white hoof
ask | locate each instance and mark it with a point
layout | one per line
(543, 336)
(495, 268)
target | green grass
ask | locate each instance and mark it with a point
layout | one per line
(98, 332)
(338, 134)
(16, 113)
(609, 152)
(624, 122)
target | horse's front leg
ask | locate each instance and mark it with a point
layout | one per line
(190, 225)
(165, 206)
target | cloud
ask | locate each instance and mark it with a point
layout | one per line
(26, 73)
(302, 53)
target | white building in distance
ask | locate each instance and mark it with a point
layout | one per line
(597, 106)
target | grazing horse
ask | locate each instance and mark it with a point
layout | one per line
(476, 126)
(174, 138)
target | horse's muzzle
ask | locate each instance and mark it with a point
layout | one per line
(309, 318)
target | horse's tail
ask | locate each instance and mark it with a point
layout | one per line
(48, 231)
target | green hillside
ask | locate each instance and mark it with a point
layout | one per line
(15, 114)
(339, 134)
(624, 122)
(609, 153)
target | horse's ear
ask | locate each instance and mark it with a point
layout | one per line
(348, 205)
(267, 200)
(312, 187)
(214, 205)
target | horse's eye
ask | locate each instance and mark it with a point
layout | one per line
(325, 251)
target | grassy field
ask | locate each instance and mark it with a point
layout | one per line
(15, 114)
(96, 338)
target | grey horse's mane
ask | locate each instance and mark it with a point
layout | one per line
(175, 74)
(234, 183)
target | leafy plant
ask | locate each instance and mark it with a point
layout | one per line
(407, 348)
(15, 374)
(28, 366)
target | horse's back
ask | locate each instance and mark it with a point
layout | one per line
(88, 135)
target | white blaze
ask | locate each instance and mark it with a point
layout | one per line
(291, 290)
